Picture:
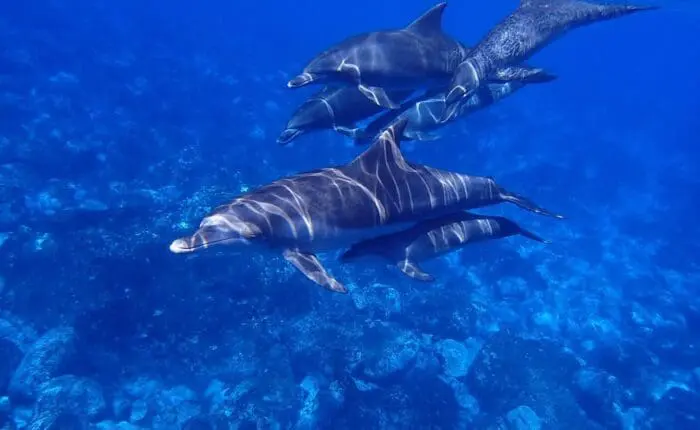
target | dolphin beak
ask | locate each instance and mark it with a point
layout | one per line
(204, 238)
(301, 80)
(288, 135)
(181, 246)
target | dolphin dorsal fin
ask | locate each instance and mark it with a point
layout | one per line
(430, 22)
(386, 148)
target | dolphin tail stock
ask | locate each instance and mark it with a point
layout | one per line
(610, 11)
(309, 265)
(593, 11)
(525, 203)
(524, 75)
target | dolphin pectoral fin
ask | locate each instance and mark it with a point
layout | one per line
(526, 203)
(309, 265)
(411, 269)
(378, 96)
(352, 132)
(423, 136)
(533, 236)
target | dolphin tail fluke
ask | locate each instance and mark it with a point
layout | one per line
(411, 269)
(378, 96)
(309, 265)
(526, 204)
(533, 236)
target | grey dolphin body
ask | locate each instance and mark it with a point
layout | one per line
(533, 25)
(377, 193)
(333, 108)
(427, 115)
(418, 56)
(435, 237)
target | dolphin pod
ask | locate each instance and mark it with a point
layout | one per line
(406, 84)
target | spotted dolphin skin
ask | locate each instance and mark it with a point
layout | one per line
(433, 238)
(533, 25)
(419, 56)
(378, 192)
(333, 108)
(428, 115)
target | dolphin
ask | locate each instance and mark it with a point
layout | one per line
(533, 25)
(379, 192)
(333, 108)
(427, 115)
(435, 237)
(418, 56)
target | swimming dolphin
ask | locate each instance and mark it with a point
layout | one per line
(378, 192)
(341, 108)
(418, 56)
(532, 26)
(429, 114)
(435, 237)
(333, 108)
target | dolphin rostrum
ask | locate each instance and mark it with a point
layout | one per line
(378, 192)
(532, 26)
(435, 237)
(419, 56)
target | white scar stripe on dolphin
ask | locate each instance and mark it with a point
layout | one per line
(342, 177)
(276, 210)
(248, 205)
(301, 208)
(328, 106)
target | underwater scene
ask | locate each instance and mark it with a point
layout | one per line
(349, 215)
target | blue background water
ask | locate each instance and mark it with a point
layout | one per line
(123, 123)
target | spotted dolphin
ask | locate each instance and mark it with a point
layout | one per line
(532, 26)
(333, 108)
(419, 56)
(435, 237)
(378, 192)
(428, 115)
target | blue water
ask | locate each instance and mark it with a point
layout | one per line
(123, 123)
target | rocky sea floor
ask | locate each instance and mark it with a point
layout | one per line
(110, 153)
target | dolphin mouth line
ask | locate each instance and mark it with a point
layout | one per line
(180, 246)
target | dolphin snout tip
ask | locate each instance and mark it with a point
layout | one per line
(300, 80)
(287, 136)
(180, 246)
